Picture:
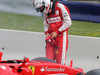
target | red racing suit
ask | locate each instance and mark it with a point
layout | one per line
(59, 23)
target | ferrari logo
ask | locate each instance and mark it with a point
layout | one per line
(56, 52)
(32, 68)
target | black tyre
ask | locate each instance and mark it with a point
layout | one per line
(93, 72)
(44, 59)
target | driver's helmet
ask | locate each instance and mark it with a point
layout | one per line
(42, 6)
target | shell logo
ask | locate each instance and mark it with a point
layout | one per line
(32, 68)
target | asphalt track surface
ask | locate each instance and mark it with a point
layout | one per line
(84, 51)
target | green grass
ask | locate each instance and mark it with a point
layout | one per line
(33, 23)
(20, 22)
(85, 29)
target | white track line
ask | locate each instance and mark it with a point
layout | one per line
(20, 31)
(43, 33)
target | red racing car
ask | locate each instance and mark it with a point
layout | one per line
(40, 66)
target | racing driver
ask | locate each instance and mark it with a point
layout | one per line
(56, 24)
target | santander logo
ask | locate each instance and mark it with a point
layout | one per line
(53, 20)
(42, 69)
(47, 69)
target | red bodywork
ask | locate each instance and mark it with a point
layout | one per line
(36, 67)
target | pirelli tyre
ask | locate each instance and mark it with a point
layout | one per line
(44, 59)
(93, 72)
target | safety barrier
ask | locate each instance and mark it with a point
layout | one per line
(83, 11)
(78, 10)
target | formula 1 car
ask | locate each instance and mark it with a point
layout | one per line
(39, 66)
